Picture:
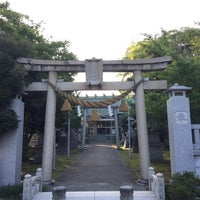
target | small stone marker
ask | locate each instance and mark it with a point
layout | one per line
(59, 193)
(126, 192)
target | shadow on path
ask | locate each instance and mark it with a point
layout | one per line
(99, 168)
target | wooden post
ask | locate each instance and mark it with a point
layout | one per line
(116, 128)
(84, 129)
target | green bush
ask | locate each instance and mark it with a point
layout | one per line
(184, 186)
(8, 121)
(11, 192)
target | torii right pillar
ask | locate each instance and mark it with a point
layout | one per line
(141, 126)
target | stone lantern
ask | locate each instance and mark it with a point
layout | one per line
(177, 90)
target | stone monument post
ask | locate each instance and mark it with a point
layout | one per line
(11, 149)
(179, 125)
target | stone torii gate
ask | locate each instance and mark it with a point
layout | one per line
(94, 69)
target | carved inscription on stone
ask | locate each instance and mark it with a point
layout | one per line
(181, 117)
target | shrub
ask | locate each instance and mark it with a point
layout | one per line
(183, 187)
(11, 192)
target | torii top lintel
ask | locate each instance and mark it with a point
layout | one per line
(152, 64)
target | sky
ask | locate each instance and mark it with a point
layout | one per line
(106, 28)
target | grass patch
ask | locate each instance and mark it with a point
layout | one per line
(163, 167)
(134, 163)
(29, 168)
(62, 162)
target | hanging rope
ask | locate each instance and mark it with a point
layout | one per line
(93, 104)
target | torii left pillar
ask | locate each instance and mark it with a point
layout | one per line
(142, 126)
(49, 130)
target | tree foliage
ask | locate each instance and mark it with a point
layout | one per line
(183, 47)
(12, 76)
(21, 37)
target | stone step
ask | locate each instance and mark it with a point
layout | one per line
(97, 195)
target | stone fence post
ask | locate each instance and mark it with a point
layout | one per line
(39, 173)
(156, 184)
(27, 187)
(151, 172)
(160, 189)
(32, 185)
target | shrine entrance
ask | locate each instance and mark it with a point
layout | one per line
(94, 69)
(100, 128)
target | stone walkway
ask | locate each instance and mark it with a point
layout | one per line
(99, 168)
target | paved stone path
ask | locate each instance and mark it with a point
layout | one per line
(100, 168)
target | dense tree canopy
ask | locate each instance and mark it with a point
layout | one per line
(21, 37)
(183, 47)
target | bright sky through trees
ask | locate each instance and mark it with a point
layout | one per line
(105, 28)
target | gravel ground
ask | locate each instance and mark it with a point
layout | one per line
(99, 168)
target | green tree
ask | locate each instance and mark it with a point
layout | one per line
(183, 47)
(21, 37)
(12, 76)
